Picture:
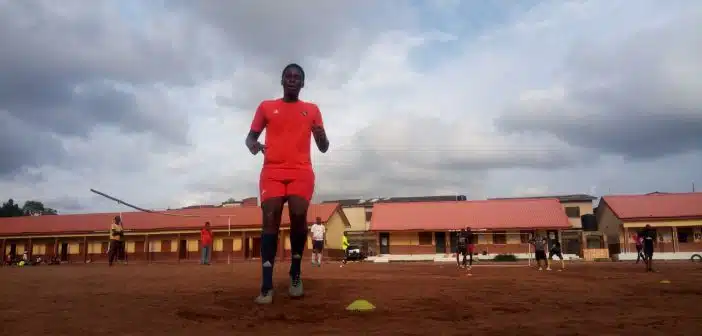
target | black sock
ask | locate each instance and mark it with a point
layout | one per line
(269, 247)
(298, 238)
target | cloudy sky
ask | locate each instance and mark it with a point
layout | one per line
(151, 100)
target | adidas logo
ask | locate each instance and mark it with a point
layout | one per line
(267, 264)
(297, 256)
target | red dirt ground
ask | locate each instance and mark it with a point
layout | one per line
(412, 299)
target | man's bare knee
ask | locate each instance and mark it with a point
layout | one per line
(272, 211)
(298, 207)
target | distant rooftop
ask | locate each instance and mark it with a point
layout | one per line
(360, 202)
(561, 198)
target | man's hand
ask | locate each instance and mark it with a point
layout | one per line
(320, 137)
(255, 147)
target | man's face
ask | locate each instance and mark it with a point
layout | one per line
(292, 80)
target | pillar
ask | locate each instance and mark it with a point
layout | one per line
(178, 248)
(147, 248)
(85, 249)
(3, 248)
(244, 245)
(30, 249)
(676, 244)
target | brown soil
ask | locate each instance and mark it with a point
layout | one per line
(412, 299)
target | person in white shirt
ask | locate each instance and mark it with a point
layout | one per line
(318, 232)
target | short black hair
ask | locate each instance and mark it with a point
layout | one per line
(294, 65)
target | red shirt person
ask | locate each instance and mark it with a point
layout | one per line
(287, 174)
(206, 244)
(287, 164)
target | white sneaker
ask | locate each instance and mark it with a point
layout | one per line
(548, 269)
(541, 269)
(265, 298)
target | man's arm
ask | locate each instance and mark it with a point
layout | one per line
(257, 126)
(320, 136)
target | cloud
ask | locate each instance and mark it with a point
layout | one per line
(151, 104)
(624, 96)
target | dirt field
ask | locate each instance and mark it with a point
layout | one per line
(412, 299)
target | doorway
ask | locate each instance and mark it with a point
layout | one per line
(256, 247)
(183, 249)
(64, 252)
(440, 238)
(247, 248)
(13, 251)
(384, 242)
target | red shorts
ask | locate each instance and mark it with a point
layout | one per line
(471, 248)
(286, 182)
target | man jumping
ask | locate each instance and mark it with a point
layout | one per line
(287, 174)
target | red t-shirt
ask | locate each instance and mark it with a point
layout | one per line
(206, 237)
(288, 132)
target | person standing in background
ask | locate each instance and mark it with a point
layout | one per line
(318, 232)
(345, 247)
(639, 248)
(206, 241)
(116, 246)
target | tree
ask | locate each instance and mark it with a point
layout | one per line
(229, 201)
(30, 208)
(10, 209)
(36, 208)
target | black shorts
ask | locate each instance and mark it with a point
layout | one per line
(318, 245)
(648, 251)
(540, 255)
(462, 250)
(555, 252)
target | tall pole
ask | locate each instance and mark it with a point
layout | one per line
(229, 233)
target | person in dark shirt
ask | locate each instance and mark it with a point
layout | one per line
(464, 248)
(649, 239)
(539, 250)
(555, 250)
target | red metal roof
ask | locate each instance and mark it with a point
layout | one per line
(656, 206)
(484, 214)
(243, 217)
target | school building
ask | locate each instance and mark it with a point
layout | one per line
(152, 237)
(359, 212)
(501, 226)
(576, 207)
(676, 217)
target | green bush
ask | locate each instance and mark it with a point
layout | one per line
(505, 257)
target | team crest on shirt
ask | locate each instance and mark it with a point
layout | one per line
(304, 113)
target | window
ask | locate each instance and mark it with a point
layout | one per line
(573, 212)
(685, 235)
(499, 237)
(426, 238)
(369, 215)
(525, 236)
